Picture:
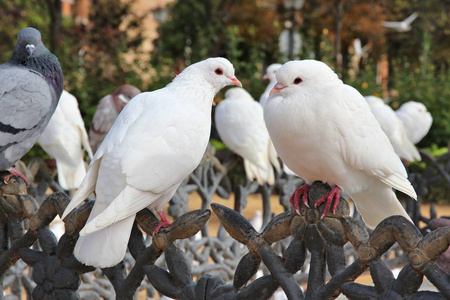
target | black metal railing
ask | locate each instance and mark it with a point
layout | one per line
(327, 255)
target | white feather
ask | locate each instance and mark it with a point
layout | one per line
(402, 26)
(240, 124)
(270, 74)
(394, 128)
(324, 130)
(417, 120)
(156, 141)
(64, 139)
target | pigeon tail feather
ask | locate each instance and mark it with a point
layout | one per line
(128, 203)
(69, 177)
(85, 143)
(273, 157)
(106, 247)
(400, 183)
(85, 189)
(260, 174)
(378, 203)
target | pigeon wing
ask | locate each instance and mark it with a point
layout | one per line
(25, 102)
(160, 161)
(241, 127)
(364, 145)
(411, 18)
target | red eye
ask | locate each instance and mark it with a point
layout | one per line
(218, 71)
(297, 80)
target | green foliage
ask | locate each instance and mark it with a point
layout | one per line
(197, 30)
(93, 58)
(433, 90)
(17, 15)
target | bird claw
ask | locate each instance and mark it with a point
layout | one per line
(295, 198)
(163, 222)
(13, 172)
(331, 197)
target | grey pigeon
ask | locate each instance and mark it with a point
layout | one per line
(31, 82)
(107, 111)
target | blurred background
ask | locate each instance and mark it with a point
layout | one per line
(103, 44)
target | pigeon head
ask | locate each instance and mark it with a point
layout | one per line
(238, 93)
(299, 75)
(123, 94)
(372, 100)
(29, 43)
(271, 71)
(216, 71)
(413, 106)
(129, 91)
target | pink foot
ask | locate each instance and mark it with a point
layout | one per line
(13, 172)
(163, 222)
(295, 198)
(332, 196)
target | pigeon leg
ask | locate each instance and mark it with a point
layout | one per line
(332, 196)
(13, 172)
(163, 222)
(295, 198)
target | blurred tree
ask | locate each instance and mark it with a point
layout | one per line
(97, 51)
(17, 15)
(246, 32)
(54, 8)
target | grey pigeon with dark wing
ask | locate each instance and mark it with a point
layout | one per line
(107, 111)
(31, 82)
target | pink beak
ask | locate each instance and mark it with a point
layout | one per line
(265, 76)
(236, 82)
(276, 89)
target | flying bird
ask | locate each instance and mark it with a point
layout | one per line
(31, 84)
(394, 128)
(157, 140)
(416, 118)
(270, 74)
(107, 111)
(64, 139)
(402, 26)
(324, 130)
(240, 124)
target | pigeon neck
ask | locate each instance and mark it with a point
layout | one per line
(45, 64)
(193, 87)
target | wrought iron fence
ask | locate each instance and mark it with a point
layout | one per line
(325, 255)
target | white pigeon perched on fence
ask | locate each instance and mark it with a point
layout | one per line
(240, 124)
(108, 108)
(416, 118)
(31, 82)
(324, 130)
(155, 143)
(270, 74)
(64, 139)
(394, 128)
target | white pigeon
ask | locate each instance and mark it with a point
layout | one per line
(401, 26)
(107, 111)
(324, 130)
(64, 139)
(417, 120)
(394, 128)
(158, 139)
(270, 74)
(240, 124)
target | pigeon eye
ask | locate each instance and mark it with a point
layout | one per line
(218, 71)
(297, 80)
